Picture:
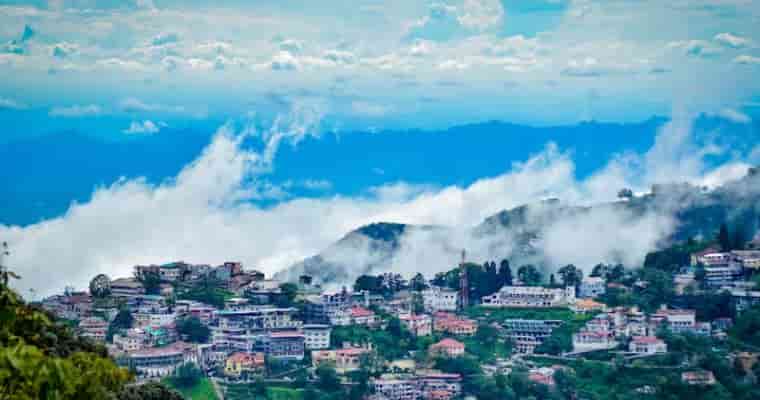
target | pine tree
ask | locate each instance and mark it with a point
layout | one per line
(723, 238)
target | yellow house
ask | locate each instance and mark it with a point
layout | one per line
(238, 363)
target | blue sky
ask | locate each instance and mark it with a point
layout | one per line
(145, 131)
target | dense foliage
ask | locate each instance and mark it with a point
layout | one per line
(195, 330)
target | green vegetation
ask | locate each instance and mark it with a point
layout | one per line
(201, 389)
(500, 314)
(43, 359)
(672, 258)
(194, 329)
(208, 290)
(392, 343)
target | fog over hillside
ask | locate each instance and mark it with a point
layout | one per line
(205, 214)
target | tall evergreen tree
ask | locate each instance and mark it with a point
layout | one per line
(723, 238)
(505, 273)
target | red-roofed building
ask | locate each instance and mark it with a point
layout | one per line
(238, 363)
(362, 316)
(345, 360)
(451, 323)
(701, 378)
(447, 347)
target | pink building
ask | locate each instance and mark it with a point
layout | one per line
(447, 347)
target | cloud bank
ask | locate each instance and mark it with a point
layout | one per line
(203, 214)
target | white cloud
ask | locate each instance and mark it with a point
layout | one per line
(481, 14)
(747, 60)
(145, 127)
(164, 38)
(202, 214)
(734, 116)
(64, 49)
(730, 40)
(76, 111)
(369, 109)
(10, 104)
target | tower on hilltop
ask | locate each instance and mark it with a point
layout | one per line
(464, 285)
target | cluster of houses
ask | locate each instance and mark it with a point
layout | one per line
(251, 330)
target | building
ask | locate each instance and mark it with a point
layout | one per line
(586, 306)
(316, 336)
(322, 309)
(439, 299)
(591, 340)
(527, 334)
(144, 319)
(749, 259)
(362, 316)
(447, 348)
(530, 297)
(344, 360)
(453, 324)
(94, 328)
(285, 345)
(436, 385)
(190, 308)
(419, 324)
(126, 288)
(542, 376)
(239, 363)
(744, 299)
(700, 378)
(396, 388)
(130, 340)
(428, 386)
(591, 286)
(161, 361)
(722, 275)
(647, 345)
(677, 321)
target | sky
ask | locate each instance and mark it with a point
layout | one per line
(148, 131)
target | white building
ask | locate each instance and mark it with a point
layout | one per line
(440, 299)
(647, 345)
(419, 325)
(591, 286)
(130, 340)
(316, 336)
(530, 297)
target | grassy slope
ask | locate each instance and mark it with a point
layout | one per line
(204, 390)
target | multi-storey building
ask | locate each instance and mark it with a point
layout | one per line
(744, 299)
(321, 309)
(418, 324)
(130, 340)
(447, 347)
(440, 299)
(530, 297)
(316, 336)
(94, 328)
(246, 329)
(591, 286)
(160, 361)
(126, 288)
(344, 360)
(647, 345)
(285, 345)
(396, 388)
(453, 324)
(527, 334)
(427, 386)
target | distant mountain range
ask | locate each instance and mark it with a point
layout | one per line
(527, 233)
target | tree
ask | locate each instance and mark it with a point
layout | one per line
(418, 283)
(625, 193)
(151, 281)
(552, 280)
(195, 330)
(100, 286)
(529, 275)
(123, 320)
(288, 293)
(505, 273)
(187, 375)
(723, 238)
(566, 383)
(327, 378)
(570, 275)
(369, 283)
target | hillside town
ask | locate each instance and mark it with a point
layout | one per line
(479, 330)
